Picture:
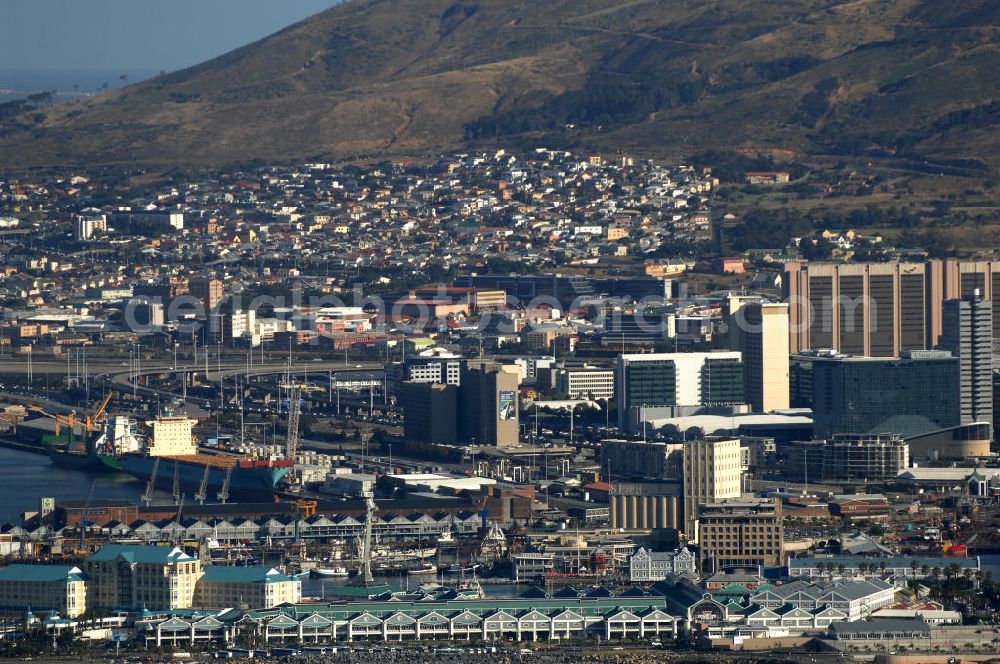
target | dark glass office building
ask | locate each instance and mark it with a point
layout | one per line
(909, 395)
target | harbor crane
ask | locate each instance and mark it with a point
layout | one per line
(147, 495)
(223, 494)
(177, 482)
(81, 525)
(89, 422)
(292, 438)
(202, 493)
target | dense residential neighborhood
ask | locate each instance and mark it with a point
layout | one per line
(496, 397)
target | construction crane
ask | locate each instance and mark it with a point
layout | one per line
(81, 525)
(202, 488)
(147, 495)
(224, 491)
(89, 422)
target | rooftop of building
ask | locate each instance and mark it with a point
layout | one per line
(225, 574)
(852, 562)
(137, 554)
(881, 625)
(41, 573)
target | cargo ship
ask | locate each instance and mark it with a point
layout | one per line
(74, 454)
(170, 458)
(247, 480)
(100, 452)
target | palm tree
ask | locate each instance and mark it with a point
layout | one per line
(841, 568)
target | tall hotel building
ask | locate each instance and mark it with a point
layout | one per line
(967, 332)
(880, 309)
(759, 330)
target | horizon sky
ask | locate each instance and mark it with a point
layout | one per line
(137, 34)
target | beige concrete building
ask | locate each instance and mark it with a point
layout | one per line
(135, 577)
(122, 576)
(222, 587)
(961, 442)
(881, 309)
(488, 410)
(759, 330)
(646, 505)
(712, 472)
(740, 533)
(171, 436)
(58, 588)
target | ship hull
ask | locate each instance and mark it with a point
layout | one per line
(58, 450)
(246, 482)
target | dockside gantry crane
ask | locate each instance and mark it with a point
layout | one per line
(89, 422)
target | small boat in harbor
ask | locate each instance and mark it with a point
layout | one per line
(423, 569)
(339, 570)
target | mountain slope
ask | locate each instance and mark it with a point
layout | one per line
(392, 77)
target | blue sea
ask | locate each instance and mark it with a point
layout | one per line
(67, 83)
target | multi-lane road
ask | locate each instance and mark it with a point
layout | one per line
(117, 375)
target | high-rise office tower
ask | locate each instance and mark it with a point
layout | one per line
(880, 309)
(874, 309)
(488, 404)
(911, 395)
(431, 412)
(209, 291)
(660, 385)
(967, 331)
(759, 330)
(712, 472)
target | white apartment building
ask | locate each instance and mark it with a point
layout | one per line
(586, 382)
(59, 588)
(85, 225)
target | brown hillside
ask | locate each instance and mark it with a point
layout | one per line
(388, 77)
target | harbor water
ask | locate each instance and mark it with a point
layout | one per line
(27, 477)
(321, 588)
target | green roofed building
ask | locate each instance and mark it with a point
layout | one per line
(516, 619)
(245, 587)
(133, 576)
(43, 587)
